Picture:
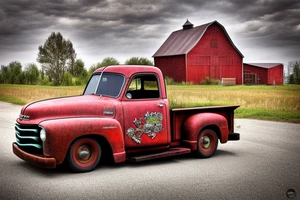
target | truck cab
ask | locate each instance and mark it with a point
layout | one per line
(123, 112)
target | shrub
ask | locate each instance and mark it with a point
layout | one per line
(45, 81)
(67, 79)
(170, 81)
(210, 81)
(78, 82)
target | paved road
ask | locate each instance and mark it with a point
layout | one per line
(264, 164)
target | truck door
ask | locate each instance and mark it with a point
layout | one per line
(145, 113)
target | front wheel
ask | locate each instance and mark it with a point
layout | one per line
(84, 155)
(207, 143)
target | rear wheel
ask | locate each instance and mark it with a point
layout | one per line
(84, 155)
(207, 143)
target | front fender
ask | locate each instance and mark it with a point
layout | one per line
(62, 132)
(195, 123)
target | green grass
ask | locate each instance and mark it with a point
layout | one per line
(13, 100)
(274, 115)
(279, 103)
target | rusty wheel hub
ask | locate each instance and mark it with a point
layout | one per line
(84, 154)
(205, 142)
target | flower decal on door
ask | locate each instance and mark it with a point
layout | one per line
(150, 124)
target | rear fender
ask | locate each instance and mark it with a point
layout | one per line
(60, 133)
(193, 125)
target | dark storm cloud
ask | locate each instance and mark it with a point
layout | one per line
(277, 21)
(19, 16)
(112, 25)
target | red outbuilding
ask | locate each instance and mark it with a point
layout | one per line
(263, 73)
(194, 53)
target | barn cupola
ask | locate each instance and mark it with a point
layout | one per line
(187, 25)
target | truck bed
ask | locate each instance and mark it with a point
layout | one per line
(179, 115)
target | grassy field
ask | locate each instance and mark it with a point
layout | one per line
(280, 103)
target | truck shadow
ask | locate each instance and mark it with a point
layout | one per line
(63, 170)
(224, 153)
(180, 158)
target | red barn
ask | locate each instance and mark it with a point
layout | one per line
(263, 73)
(194, 53)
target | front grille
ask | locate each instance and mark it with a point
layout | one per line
(28, 138)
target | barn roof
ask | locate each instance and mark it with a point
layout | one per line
(264, 65)
(182, 41)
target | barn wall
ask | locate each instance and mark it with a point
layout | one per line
(275, 75)
(267, 76)
(172, 66)
(261, 72)
(214, 57)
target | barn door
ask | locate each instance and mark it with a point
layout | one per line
(214, 67)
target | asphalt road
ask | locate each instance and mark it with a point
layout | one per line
(264, 164)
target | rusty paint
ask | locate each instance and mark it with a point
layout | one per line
(194, 124)
(62, 132)
(118, 120)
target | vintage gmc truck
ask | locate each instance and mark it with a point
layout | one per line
(123, 112)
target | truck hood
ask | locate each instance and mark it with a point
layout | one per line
(78, 106)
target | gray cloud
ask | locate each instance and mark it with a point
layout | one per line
(137, 28)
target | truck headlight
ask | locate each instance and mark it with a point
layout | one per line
(43, 134)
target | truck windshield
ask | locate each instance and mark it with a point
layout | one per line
(109, 85)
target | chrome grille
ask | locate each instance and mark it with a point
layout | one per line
(28, 138)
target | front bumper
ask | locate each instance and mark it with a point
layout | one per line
(34, 159)
(233, 136)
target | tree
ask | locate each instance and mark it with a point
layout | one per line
(4, 74)
(31, 74)
(15, 69)
(67, 79)
(56, 56)
(80, 72)
(94, 67)
(22, 78)
(109, 61)
(105, 62)
(78, 68)
(138, 61)
(294, 78)
(71, 65)
(296, 73)
(12, 73)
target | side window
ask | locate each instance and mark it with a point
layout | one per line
(143, 87)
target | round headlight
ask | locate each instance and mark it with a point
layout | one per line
(43, 134)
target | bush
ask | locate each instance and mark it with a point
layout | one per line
(170, 81)
(67, 79)
(210, 81)
(78, 82)
(45, 81)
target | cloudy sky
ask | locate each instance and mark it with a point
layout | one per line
(263, 30)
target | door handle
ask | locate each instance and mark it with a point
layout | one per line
(160, 105)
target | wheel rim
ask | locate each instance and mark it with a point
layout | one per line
(85, 153)
(205, 142)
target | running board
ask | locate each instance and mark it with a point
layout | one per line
(170, 152)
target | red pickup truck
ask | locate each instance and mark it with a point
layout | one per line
(123, 112)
